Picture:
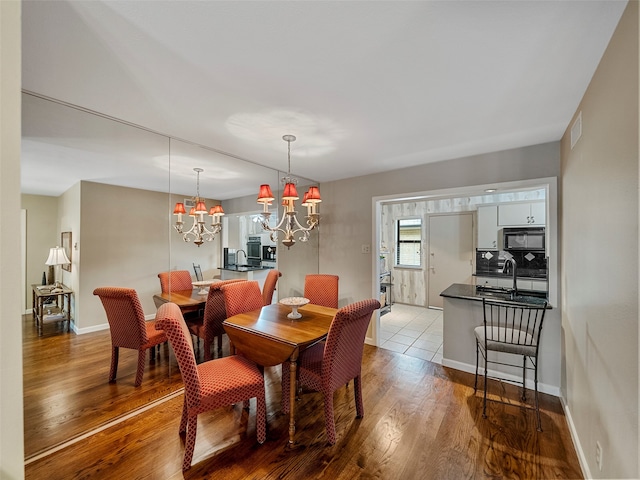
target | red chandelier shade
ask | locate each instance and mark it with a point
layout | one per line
(216, 210)
(201, 208)
(265, 195)
(290, 192)
(179, 209)
(313, 195)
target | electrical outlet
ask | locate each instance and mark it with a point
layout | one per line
(365, 248)
(599, 455)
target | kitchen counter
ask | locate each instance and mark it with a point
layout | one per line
(477, 293)
(245, 272)
(462, 312)
(244, 268)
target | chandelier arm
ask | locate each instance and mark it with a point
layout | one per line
(289, 224)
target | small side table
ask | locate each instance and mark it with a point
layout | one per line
(60, 311)
(386, 287)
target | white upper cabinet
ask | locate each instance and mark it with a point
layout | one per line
(487, 227)
(522, 214)
(538, 213)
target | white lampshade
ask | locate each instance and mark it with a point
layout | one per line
(57, 256)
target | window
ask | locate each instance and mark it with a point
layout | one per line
(409, 242)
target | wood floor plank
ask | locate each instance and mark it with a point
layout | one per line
(421, 421)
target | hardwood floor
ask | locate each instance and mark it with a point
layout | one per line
(422, 421)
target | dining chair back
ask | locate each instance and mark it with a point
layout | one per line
(331, 364)
(212, 384)
(128, 327)
(180, 280)
(175, 280)
(215, 313)
(198, 272)
(242, 297)
(322, 289)
(269, 286)
(510, 329)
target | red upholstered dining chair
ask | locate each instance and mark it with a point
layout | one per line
(322, 289)
(242, 297)
(331, 364)
(214, 314)
(211, 384)
(175, 281)
(180, 280)
(270, 286)
(128, 327)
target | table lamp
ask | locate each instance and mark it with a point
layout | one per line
(57, 257)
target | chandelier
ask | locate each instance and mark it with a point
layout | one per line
(289, 224)
(199, 230)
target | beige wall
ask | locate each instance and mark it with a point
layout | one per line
(120, 237)
(11, 417)
(599, 222)
(124, 241)
(41, 235)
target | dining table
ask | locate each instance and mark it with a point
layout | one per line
(269, 338)
(187, 300)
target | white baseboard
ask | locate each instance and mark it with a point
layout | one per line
(584, 465)
(94, 328)
(465, 367)
(103, 326)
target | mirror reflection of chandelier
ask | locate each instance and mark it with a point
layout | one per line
(289, 224)
(199, 230)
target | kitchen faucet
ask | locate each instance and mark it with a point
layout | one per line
(238, 257)
(514, 269)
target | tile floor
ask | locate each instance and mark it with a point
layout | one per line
(414, 331)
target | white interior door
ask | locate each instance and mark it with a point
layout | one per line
(450, 253)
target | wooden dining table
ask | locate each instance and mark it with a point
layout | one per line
(268, 337)
(187, 300)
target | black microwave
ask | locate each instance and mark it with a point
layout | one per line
(524, 239)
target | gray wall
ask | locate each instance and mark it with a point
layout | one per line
(599, 221)
(348, 211)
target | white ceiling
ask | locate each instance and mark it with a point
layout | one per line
(366, 86)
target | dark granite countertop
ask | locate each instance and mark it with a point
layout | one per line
(470, 292)
(244, 268)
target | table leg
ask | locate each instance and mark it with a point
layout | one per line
(68, 295)
(292, 401)
(40, 310)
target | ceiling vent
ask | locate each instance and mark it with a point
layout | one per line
(576, 130)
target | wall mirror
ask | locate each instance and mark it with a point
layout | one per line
(123, 235)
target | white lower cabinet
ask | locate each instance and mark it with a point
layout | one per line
(539, 285)
(487, 281)
(523, 283)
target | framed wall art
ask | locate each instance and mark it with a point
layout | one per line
(65, 242)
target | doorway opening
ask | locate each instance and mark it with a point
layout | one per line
(445, 215)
